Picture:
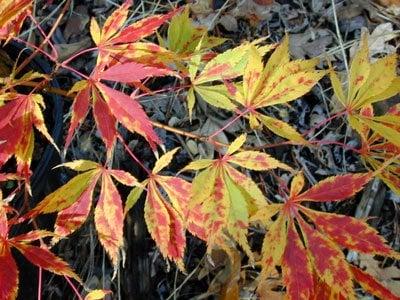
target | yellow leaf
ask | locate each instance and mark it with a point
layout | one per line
(132, 198)
(80, 165)
(97, 294)
(198, 164)
(382, 73)
(388, 133)
(297, 184)
(95, 31)
(359, 70)
(290, 87)
(279, 57)
(215, 95)
(236, 144)
(253, 75)
(164, 160)
(282, 129)
(191, 99)
(257, 161)
(78, 86)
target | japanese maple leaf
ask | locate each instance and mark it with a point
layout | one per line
(168, 220)
(279, 81)
(183, 36)
(307, 244)
(109, 105)
(73, 202)
(226, 196)
(39, 256)
(368, 84)
(21, 113)
(12, 16)
(376, 150)
(223, 67)
(115, 40)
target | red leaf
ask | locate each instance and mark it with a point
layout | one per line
(130, 113)
(44, 259)
(372, 286)
(105, 122)
(335, 188)
(79, 111)
(109, 218)
(8, 273)
(297, 270)
(131, 71)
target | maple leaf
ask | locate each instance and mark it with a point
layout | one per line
(21, 114)
(110, 106)
(39, 256)
(12, 16)
(183, 37)
(226, 196)
(73, 202)
(368, 84)
(168, 220)
(114, 40)
(377, 151)
(225, 66)
(304, 250)
(278, 82)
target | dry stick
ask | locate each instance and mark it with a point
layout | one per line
(46, 40)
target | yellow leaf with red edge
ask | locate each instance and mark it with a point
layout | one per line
(274, 242)
(165, 225)
(108, 218)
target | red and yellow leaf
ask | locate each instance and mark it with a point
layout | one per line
(296, 267)
(335, 188)
(108, 218)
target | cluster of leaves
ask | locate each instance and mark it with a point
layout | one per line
(222, 201)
